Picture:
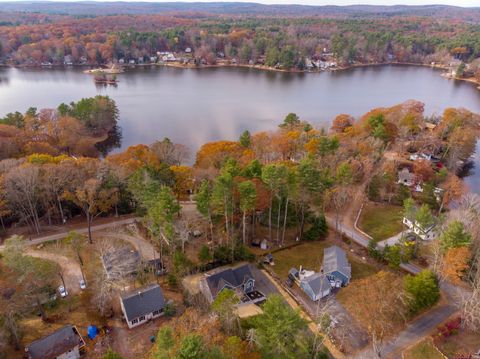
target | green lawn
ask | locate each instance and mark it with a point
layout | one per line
(381, 221)
(423, 350)
(310, 256)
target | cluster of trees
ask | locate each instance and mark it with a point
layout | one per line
(458, 256)
(279, 332)
(84, 128)
(383, 302)
(284, 41)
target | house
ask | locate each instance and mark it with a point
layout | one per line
(264, 244)
(188, 50)
(425, 234)
(405, 177)
(121, 262)
(142, 305)
(121, 61)
(336, 266)
(68, 60)
(316, 286)
(239, 279)
(131, 62)
(65, 343)
(153, 59)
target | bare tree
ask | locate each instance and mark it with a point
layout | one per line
(22, 191)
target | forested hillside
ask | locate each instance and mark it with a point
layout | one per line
(214, 33)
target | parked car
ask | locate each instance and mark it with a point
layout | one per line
(63, 292)
(82, 284)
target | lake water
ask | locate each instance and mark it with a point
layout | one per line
(196, 106)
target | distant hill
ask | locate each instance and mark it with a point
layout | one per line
(112, 8)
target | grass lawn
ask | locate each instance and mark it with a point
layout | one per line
(381, 221)
(464, 343)
(310, 255)
(423, 350)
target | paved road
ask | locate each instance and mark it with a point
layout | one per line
(421, 326)
(390, 241)
(84, 230)
(363, 240)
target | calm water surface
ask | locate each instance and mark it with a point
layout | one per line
(196, 106)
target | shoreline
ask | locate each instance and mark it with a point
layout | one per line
(121, 69)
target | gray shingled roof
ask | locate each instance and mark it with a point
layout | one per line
(318, 282)
(143, 301)
(230, 276)
(335, 259)
(53, 345)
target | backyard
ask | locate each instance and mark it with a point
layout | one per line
(423, 350)
(464, 343)
(381, 221)
(309, 255)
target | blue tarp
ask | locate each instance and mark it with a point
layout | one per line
(92, 331)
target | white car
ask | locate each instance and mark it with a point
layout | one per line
(63, 292)
(82, 284)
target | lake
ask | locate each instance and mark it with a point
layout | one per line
(194, 106)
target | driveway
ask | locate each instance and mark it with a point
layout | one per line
(144, 247)
(71, 269)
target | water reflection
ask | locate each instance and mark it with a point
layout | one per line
(194, 106)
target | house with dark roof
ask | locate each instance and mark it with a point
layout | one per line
(140, 306)
(316, 286)
(336, 266)
(65, 343)
(239, 279)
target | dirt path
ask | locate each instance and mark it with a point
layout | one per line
(144, 247)
(71, 270)
(81, 230)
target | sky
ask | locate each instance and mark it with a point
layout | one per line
(465, 3)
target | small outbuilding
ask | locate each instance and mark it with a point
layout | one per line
(140, 306)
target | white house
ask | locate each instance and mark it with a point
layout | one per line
(65, 343)
(142, 305)
(426, 234)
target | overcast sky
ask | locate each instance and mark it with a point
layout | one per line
(465, 3)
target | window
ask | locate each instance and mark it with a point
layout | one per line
(156, 312)
(134, 321)
(142, 318)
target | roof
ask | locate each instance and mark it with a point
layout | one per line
(318, 282)
(143, 301)
(233, 277)
(335, 259)
(405, 175)
(55, 344)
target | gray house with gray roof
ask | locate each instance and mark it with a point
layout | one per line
(142, 305)
(336, 266)
(316, 286)
(237, 279)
